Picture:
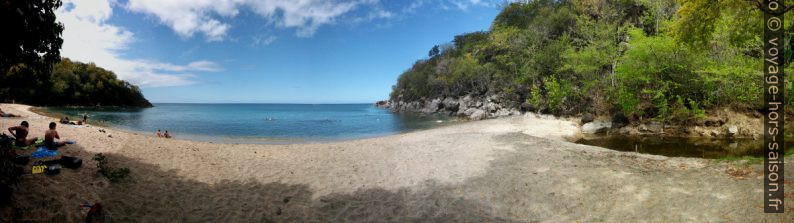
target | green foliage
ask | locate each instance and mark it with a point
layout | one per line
(31, 69)
(657, 70)
(10, 173)
(75, 83)
(557, 92)
(667, 60)
(113, 174)
(31, 34)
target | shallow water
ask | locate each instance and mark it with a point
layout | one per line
(259, 123)
(683, 147)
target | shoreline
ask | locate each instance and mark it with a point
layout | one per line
(231, 139)
(490, 170)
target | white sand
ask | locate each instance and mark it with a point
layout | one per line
(510, 169)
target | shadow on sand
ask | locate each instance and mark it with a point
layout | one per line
(151, 194)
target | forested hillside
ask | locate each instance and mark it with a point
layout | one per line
(660, 60)
(33, 72)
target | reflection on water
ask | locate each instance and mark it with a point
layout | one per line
(682, 147)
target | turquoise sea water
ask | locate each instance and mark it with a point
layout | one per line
(265, 123)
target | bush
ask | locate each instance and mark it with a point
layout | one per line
(114, 175)
(657, 71)
(10, 174)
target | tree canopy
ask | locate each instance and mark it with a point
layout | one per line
(651, 59)
(31, 69)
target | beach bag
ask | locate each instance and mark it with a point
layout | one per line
(53, 169)
(71, 162)
(21, 160)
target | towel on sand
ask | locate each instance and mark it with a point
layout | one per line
(42, 152)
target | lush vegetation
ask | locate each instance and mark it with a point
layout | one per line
(32, 71)
(649, 59)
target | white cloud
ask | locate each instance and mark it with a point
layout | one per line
(464, 5)
(187, 17)
(264, 39)
(89, 38)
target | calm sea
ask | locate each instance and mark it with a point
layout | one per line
(259, 123)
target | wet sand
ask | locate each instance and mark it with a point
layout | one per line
(516, 169)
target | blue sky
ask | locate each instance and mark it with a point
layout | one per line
(264, 51)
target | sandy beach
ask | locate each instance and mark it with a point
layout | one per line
(515, 169)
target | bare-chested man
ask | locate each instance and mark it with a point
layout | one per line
(21, 133)
(50, 137)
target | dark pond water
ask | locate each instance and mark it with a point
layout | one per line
(683, 147)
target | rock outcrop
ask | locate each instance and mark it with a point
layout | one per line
(596, 127)
(471, 107)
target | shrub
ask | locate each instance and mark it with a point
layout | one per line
(113, 174)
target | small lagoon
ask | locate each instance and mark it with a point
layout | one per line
(708, 148)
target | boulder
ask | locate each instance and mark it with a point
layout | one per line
(478, 115)
(490, 107)
(432, 106)
(468, 101)
(587, 117)
(733, 130)
(382, 104)
(652, 128)
(450, 104)
(506, 112)
(596, 127)
(470, 111)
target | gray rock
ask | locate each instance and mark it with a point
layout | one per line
(652, 128)
(470, 111)
(587, 117)
(733, 130)
(596, 127)
(432, 106)
(490, 107)
(478, 115)
(468, 100)
(382, 104)
(450, 104)
(506, 112)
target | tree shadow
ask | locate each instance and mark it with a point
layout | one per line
(152, 194)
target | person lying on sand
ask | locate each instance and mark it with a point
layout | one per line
(166, 135)
(4, 114)
(50, 137)
(65, 120)
(21, 133)
(158, 133)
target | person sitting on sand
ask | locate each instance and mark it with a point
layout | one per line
(64, 120)
(4, 114)
(21, 133)
(158, 134)
(50, 137)
(166, 135)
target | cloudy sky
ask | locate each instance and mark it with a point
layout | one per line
(264, 51)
